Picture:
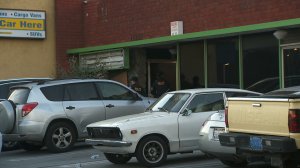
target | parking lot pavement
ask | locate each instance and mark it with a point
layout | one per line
(173, 161)
(84, 156)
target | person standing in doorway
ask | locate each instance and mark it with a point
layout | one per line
(160, 86)
(134, 84)
(196, 83)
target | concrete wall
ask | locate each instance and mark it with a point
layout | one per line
(25, 57)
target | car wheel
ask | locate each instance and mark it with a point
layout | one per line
(235, 163)
(152, 151)
(117, 158)
(60, 137)
(30, 147)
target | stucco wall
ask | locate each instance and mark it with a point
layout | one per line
(28, 57)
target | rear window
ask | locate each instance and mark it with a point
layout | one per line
(4, 88)
(240, 94)
(19, 95)
(53, 93)
(4, 91)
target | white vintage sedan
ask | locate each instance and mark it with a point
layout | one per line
(170, 125)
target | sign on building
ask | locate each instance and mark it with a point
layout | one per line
(109, 60)
(176, 28)
(22, 24)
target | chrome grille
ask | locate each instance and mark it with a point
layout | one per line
(105, 133)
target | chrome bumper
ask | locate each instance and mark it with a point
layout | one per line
(111, 143)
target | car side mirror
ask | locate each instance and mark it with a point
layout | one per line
(186, 112)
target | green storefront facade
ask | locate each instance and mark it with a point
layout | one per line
(250, 56)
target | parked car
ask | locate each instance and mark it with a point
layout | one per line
(265, 128)
(271, 84)
(170, 125)
(56, 113)
(209, 142)
(4, 93)
(209, 137)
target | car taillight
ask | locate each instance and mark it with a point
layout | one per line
(27, 108)
(294, 120)
(226, 117)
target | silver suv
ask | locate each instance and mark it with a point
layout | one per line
(56, 113)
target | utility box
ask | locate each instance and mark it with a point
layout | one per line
(176, 28)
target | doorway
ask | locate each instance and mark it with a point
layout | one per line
(167, 67)
(291, 64)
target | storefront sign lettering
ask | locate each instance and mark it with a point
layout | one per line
(24, 24)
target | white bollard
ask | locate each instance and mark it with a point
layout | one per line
(0, 141)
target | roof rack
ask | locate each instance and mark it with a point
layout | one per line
(60, 79)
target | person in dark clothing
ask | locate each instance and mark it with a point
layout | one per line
(196, 83)
(160, 86)
(134, 84)
(184, 83)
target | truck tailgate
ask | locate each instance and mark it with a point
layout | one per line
(258, 116)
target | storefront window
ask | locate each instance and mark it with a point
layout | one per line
(223, 62)
(291, 57)
(192, 65)
(260, 62)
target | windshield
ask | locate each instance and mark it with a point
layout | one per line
(170, 102)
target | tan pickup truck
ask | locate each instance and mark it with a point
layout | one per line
(265, 128)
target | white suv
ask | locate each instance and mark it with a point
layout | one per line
(56, 113)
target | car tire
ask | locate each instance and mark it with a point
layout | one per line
(60, 137)
(117, 158)
(235, 163)
(30, 147)
(152, 151)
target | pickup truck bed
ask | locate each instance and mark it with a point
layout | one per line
(267, 126)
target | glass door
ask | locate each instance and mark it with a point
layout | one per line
(291, 64)
(166, 69)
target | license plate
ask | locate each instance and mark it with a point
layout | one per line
(256, 143)
(216, 133)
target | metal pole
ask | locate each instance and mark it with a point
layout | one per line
(178, 67)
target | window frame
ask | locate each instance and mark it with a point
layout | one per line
(93, 84)
(134, 98)
(205, 93)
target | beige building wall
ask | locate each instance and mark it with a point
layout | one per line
(29, 57)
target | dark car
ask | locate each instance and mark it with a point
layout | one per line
(270, 84)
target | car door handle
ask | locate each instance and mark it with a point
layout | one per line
(256, 105)
(110, 106)
(70, 107)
